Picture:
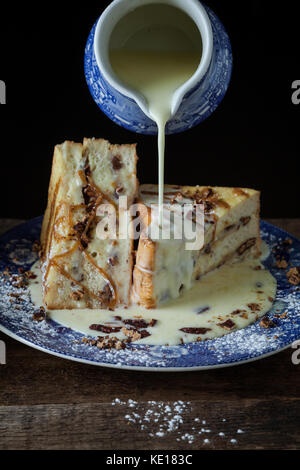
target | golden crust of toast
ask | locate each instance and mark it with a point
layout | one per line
(143, 273)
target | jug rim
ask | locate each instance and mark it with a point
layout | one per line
(117, 10)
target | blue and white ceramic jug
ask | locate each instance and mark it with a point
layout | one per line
(193, 102)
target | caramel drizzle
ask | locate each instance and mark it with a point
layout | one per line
(62, 255)
(215, 218)
(62, 271)
(220, 202)
(53, 262)
(60, 221)
(82, 176)
(86, 180)
(48, 241)
(107, 277)
(240, 192)
(208, 195)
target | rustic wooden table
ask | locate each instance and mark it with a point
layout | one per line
(50, 403)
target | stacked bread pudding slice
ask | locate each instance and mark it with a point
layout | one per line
(164, 268)
(81, 270)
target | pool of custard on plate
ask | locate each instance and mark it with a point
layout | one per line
(224, 300)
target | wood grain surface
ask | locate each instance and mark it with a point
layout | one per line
(50, 403)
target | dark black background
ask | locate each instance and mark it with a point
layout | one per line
(252, 139)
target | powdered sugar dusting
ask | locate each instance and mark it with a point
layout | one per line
(160, 419)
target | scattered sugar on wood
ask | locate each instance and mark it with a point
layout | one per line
(161, 419)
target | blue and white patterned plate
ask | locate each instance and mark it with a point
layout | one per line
(249, 344)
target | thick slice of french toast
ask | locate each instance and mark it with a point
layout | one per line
(81, 269)
(231, 232)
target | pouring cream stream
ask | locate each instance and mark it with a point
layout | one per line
(156, 61)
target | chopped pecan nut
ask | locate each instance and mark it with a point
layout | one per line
(210, 199)
(18, 281)
(293, 276)
(120, 345)
(108, 343)
(77, 295)
(15, 296)
(136, 336)
(283, 315)
(133, 335)
(207, 193)
(89, 193)
(266, 322)
(82, 234)
(30, 275)
(40, 315)
(36, 246)
(208, 206)
(81, 226)
(91, 197)
(281, 264)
